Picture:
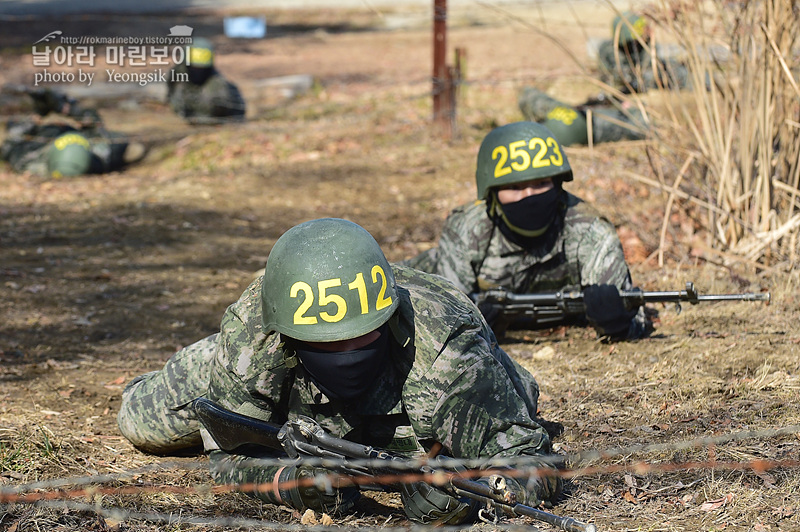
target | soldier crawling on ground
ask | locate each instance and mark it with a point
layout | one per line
(376, 354)
(600, 121)
(625, 63)
(64, 138)
(197, 91)
(526, 234)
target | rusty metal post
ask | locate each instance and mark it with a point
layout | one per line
(440, 72)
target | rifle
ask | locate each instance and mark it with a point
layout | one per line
(304, 438)
(502, 307)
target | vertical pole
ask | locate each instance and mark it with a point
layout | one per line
(440, 113)
(457, 74)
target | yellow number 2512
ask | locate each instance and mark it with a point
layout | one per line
(331, 299)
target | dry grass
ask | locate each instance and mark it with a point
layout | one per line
(731, 143)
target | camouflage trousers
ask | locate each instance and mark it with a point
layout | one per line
(156, 414)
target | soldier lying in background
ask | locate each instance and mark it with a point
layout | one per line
(625, 60)
(526, 234)
(377, 355)
(64, 139)
(199, 93)
(601, 120)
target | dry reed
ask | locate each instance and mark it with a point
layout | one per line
(734, 132)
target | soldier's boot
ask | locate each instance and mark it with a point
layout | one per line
(134, 152)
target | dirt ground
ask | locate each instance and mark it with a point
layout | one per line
(104, 277)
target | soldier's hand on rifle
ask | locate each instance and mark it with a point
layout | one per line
(311, 487)
(606, 311)
(428, 504)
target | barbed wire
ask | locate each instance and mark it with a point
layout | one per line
(122, 515)
(51, 493)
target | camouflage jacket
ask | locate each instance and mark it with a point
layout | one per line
(215, 99)
(446, 380)
(581, 248)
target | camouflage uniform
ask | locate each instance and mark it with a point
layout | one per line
(580, 249)
(609, 123)
(27, 144)
(635, 70)
(447, 381)
(215, 100)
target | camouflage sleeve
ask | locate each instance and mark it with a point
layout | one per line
(455, 252)
(248, 375)
(498, 424)
(470, 396)
(241, 379)
(221, 98)
(536, 105)
(602, 261)
(241, 470)
(601, 258)
(426, 261)
(606, 60)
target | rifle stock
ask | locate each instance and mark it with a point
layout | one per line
(305, 438)
(231, 430)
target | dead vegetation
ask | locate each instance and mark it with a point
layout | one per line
(104, 277)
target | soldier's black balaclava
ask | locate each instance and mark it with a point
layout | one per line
(345, 374)
(527, 220)
(199, 75)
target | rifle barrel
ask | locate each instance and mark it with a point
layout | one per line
(683, 295)
(483, 493)
(563, 523)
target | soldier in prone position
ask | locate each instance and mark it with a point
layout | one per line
(379, 355)
(65, 139)
(625, 59)
(600, 121)
(198, 92)
(526, 234)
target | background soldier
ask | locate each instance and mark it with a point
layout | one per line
(199, 93)
(390, 357)
(66, 139)
(525, 234)
(625, 60)
(609, 122)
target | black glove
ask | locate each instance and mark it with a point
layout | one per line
(427, 505)
(332, 500)
(606, 311)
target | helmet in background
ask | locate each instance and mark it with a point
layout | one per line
(69, 155)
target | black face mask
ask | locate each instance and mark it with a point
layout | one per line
(199, 75)
(344, 374)
(532, 216)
